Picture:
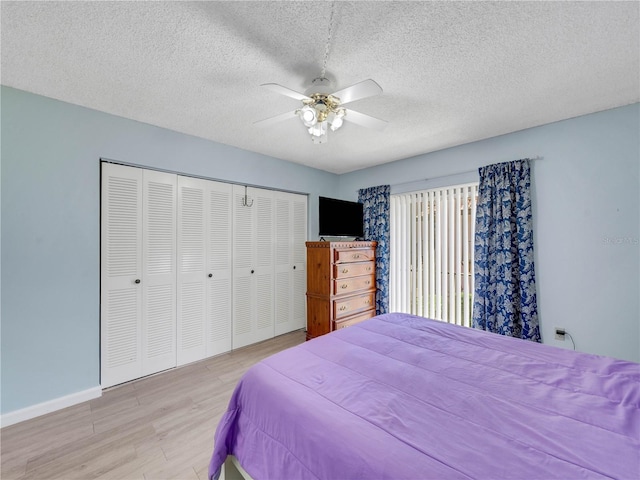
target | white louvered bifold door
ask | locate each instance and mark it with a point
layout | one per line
(192, 269)
(290, 260)
(218, 247)
(265, 261)
(253, 265)
(283, 264)
(121, 274)
(204, 269)
(159, 271)
(244, 300)
(299, 249)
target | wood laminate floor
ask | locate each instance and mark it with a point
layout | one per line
(159, 427)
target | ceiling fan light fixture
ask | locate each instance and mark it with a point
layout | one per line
(319, 129)
(319, 139)
(308, 115)
(335, 119)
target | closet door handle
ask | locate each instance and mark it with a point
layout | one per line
(210, 275)
(137, 280)
(252, 271)
(294, 267)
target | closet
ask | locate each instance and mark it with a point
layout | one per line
(192, 268)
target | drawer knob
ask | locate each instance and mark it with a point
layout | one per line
(367, 282)
(343, 308)
(357, 255)
(368, 269)
(367, 302)
(344, 285)
(345, 270)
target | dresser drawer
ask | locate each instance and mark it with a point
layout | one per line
(348, 255)
(355, 284)
(347, 322)
(353, 270)
(358, 303)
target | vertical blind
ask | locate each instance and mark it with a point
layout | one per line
(432, 239)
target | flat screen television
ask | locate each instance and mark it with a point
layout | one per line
(340, 218)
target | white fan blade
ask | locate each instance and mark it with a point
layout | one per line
(365, 120)
(274, 87)
(276, 119)
(364, 89)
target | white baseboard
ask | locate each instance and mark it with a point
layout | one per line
(49, 406)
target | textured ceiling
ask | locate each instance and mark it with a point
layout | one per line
(452, 72)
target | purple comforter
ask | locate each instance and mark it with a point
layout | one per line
(403, 397)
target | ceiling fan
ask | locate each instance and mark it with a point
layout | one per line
(322, 110)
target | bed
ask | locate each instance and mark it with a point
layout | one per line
(404, 397)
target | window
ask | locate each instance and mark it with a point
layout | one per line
(432, 234)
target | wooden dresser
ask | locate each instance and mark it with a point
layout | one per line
(341, 285)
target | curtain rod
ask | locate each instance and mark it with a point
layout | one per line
(537, 157)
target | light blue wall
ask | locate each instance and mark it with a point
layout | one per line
(586, 196)
(51, 224)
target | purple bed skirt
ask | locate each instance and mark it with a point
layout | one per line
(404, 397)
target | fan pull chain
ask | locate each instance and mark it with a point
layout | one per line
(326, 50)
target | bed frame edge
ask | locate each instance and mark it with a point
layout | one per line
(232, 470)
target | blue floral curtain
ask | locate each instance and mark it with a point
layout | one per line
(505, 287)
(376, 201)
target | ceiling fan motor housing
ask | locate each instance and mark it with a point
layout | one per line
(320, 85)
